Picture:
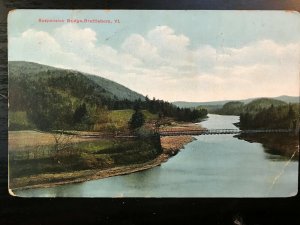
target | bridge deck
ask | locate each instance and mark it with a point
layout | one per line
(221, 131)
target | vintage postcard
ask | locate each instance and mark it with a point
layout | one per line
(124, 103)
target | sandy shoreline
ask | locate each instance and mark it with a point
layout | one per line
(171, 146)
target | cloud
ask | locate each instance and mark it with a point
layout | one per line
(137, 45)
(166, 39)
(71, 47)
(160, 47)
(39, 46)
(261, 52)
(162, 63)
(72, 38)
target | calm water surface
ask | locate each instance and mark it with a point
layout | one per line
(211, 166)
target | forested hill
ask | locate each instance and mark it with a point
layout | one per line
(118, 90)
(111, 89)
(237, 107)
(47, 98)
(262, 103)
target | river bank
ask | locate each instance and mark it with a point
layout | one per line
(285, 145)
(170, 145)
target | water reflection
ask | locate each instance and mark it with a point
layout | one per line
(280, 146)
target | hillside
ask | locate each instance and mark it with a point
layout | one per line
(45, 97)
(262, 103)
(231, 108)
(111, 88)
(119, 91)
(257, 105)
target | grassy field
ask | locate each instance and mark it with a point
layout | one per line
(120, 118)
(18, 140)
(116, 120)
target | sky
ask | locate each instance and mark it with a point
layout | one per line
(171, 55)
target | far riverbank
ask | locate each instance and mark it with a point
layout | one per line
(285, 145)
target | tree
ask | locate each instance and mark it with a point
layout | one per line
(62, 145)
(137, 120)
(79, 113)
(291, 113)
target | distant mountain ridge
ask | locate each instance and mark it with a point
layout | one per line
(253, 107)
(284, 98)
(113, 89)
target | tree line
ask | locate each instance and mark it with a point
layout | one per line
(283, 117)
(162, 108)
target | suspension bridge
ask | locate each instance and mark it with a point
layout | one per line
(221, 131)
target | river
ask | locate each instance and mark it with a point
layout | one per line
(210, 166)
